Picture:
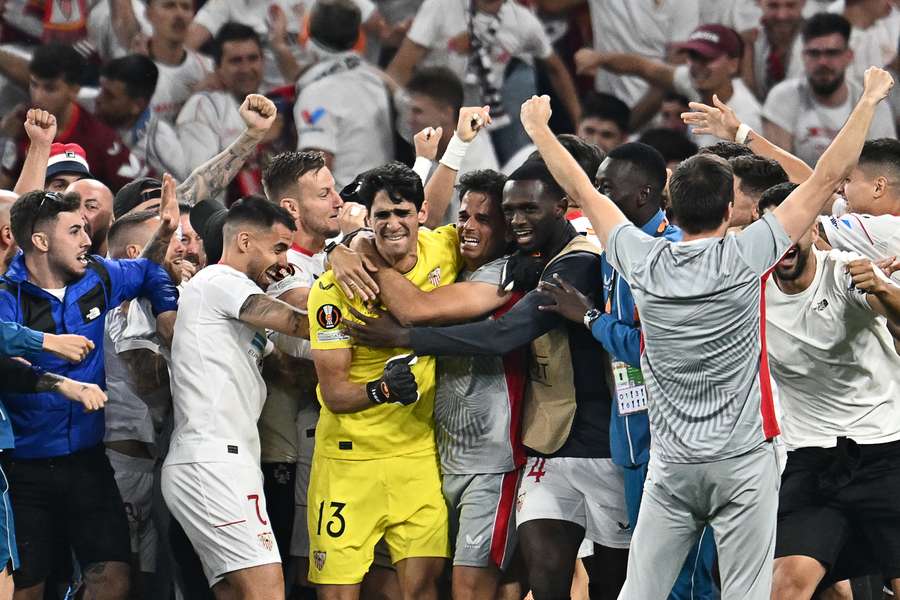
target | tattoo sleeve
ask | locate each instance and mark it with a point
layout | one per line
(212, 177)
(269, 313)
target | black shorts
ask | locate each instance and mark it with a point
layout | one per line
(840, 506)
(70, 501)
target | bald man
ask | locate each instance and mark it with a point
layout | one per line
(96, 209)
(8, 245)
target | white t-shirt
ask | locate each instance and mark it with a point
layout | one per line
(100, 29)
(643, 27)
(176, 84)
(833, 359)
(792, 106)
(127, 413)
(873, 46)
(740, 15)
(344, 108)
(255, 13)
(207, 124)
(742, 101)
(217, 385)
(513, 33)
(874, 237)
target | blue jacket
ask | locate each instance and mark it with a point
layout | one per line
(618, 330)
(17, 340)
(47, 424)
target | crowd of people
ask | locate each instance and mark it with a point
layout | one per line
(470, 299)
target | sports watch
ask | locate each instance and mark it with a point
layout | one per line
(591, 315)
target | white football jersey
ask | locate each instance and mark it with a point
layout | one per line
(875, 237)
(176, 84)
(217, 386)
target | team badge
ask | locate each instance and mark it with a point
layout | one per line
(319, 559)
(266, 540)
(328, 316)
(434, 278)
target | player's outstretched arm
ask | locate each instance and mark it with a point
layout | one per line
(40, 126)
(603, 214)
(722, 122)
(212, 177)
(264, 312)
(797, 213)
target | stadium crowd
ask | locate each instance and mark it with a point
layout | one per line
(470, 299)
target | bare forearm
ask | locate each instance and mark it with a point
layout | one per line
(287, 64)
(646, 108)
(842, 155)
(34, 171)
(406, 302)
(438, 192)
(652, 71)
(14, 67)
(125, 24)
(797, 170)
(264, 312)
(156, 248)
(212, 177)
(889, 299)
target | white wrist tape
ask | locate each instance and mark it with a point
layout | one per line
(422, 167)
(455, 153)
(743, 131)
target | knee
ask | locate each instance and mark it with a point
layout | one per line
(795, 577)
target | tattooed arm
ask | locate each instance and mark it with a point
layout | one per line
(88, 394)
(212, 177)
(158, 245)
(264, 312)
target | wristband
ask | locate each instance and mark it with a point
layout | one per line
(455, 153)
(422, 167)
(743, 131)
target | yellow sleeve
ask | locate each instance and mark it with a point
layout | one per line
(327, 307)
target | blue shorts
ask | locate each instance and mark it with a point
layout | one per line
(8, 552)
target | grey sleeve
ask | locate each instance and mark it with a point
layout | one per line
(762, 244)
(629, 247)
(489, 273)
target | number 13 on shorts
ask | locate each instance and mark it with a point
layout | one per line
(335, 524)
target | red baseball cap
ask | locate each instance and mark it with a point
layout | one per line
(68, 158)
(712, 41)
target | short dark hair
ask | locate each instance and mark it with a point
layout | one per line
(286, 168)
(54, 61)
(335, 24)
(485, 181)
(676, 97)
(535, 169)
(257, 211)
(702, 188)
(126, 224)
(587, 155)
(726, 150)
(233, 32)
(137, 72)
(673, 145)
(775, 195)
(822, 24)
(646, 159)
(606, 107)
(31, 209)
(438, 83)
(883, 153)
(757, 173)
(396, 180)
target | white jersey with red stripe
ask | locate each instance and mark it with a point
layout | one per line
(873, 236)
(703, 316)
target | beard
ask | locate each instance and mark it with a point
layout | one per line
(826, 88)
(792, 273)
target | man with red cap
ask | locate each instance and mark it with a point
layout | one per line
(66, 165)
(713, 60)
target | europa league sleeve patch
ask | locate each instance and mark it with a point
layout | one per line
(328, 316)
